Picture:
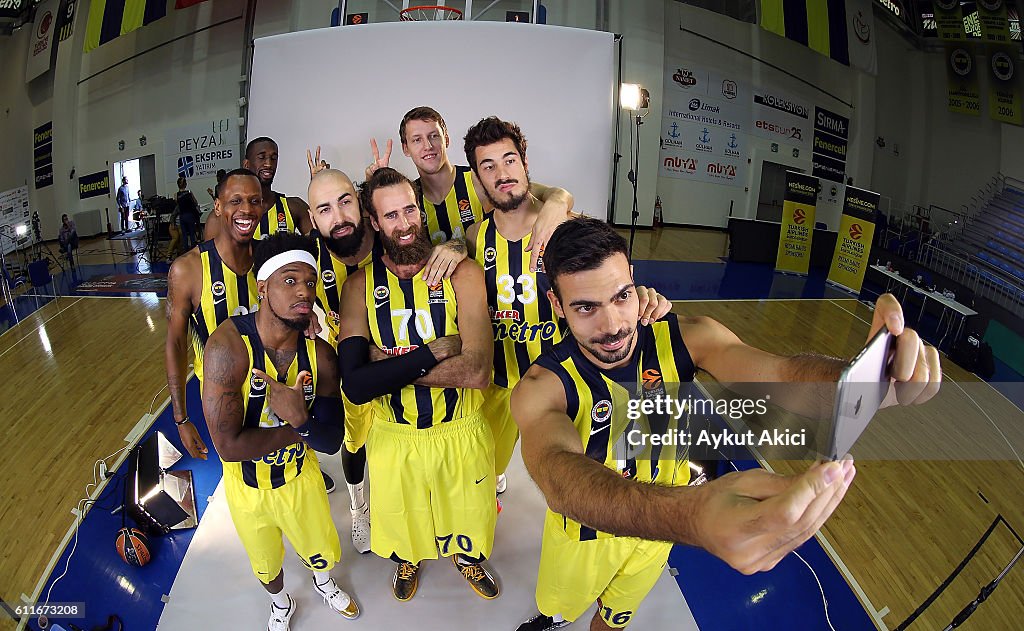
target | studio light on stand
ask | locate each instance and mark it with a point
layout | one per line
(157, 499)
(636, 99)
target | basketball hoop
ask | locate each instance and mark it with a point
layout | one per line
(430, 13)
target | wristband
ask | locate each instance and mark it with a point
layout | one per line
(182, 421)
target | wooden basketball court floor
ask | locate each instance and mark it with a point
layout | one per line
(81, 373)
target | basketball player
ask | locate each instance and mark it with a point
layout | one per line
(430, 454)
(205, 286)
(280, 213)
(271, 396)
(345, 244)
(449, 193)
(521, 316)
(606, 537)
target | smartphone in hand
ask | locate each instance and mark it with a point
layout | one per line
(862, 387)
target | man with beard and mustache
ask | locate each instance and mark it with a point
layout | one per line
(270, 397)
(613, 517)
(345, 244)
(522, 319)
(279, 213)
(430, 452)
(448, 193)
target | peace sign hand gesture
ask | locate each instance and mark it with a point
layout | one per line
(316, 165)
(378, 161)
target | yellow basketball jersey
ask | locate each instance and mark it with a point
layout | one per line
(224, 294)
(459, 210)
(523, 321)
(405, 315)
(277, 219)
(597, 402)
(276, 469)
(333, 274)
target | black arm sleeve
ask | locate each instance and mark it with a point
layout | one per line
(364, 381)
(325, 429)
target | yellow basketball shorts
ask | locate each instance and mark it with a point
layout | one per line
(499, 417)
(298, 510)
(433, 489)
(358, 419)
(617, 571)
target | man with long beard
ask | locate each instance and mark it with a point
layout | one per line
(345, 244)
(270, 397)
(430, 454)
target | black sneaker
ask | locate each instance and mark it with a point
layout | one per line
(479, 579)
(540, 622)
(328, 482)
(407, 579)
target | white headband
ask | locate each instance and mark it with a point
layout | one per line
(278, 261)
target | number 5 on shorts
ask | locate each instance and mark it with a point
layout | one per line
(315, 562)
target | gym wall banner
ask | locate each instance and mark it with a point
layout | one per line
(782, 118)
(13, 213)
(200, 149)
(42, 148)
(11, 8)
(853, 245)
(995, 26)
(949, 20)
(94, 185)
(963, 93)
(797, 223)
(1004, 99)
(66, 20)
(705, 122)
(40, 43)
(831, 140)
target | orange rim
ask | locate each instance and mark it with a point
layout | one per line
(450, 13)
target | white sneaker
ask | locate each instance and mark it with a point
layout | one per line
(337, 599)
(279, 618)
(361, 528)
(502, 484)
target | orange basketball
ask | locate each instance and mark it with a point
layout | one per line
(133, 546)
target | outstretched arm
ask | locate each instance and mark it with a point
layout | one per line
(749, 519)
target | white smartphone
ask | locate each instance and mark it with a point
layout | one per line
(862, 387)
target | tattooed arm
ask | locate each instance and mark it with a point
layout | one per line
(225, 369)
(182, 280)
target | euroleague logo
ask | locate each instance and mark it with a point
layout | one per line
(855, 231)
(651, 379)
(602, 411)
(464, 204)
(799, 217)
(280, 217)
(218, 289)
(307, 386)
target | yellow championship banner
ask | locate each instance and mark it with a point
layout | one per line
(963, 91)
(853, 245)
(995, 26)
(949, 20)
(797, 223)
(1004, 98)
